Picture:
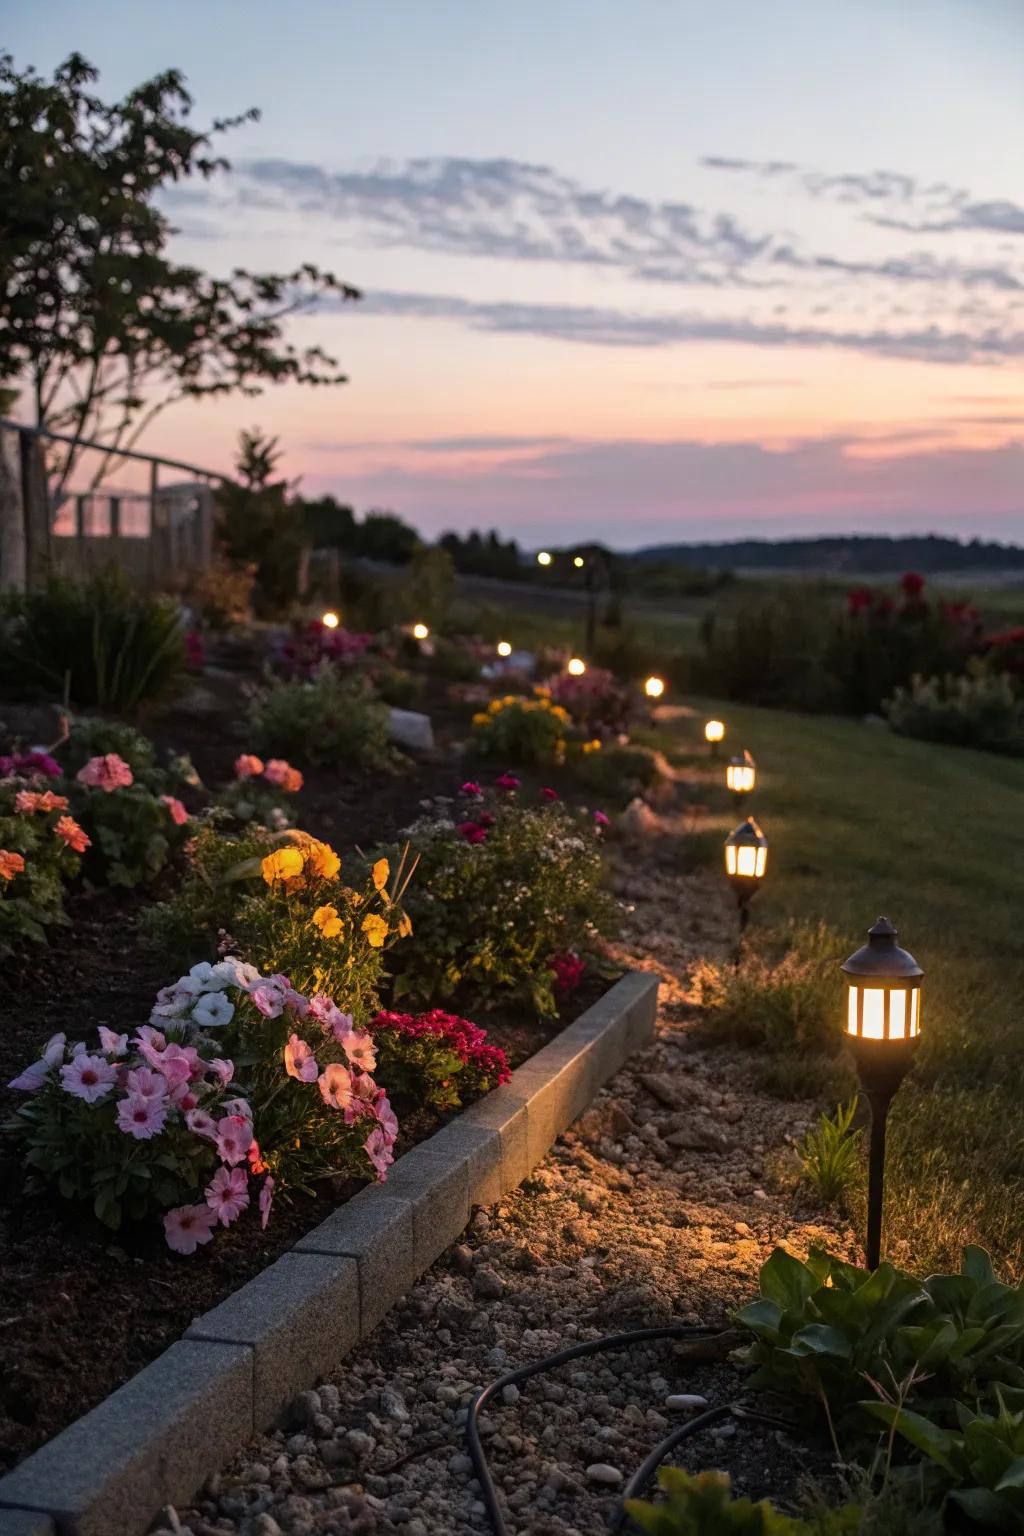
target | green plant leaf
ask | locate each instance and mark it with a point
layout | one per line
(786, 1281)
(919, 1431)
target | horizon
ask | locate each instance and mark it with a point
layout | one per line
(647, 279)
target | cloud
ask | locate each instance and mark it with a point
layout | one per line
(606, 327)
(439, 445)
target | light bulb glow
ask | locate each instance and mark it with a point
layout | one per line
(543, 557)
(420, 632)
(330, 619)
(884, 1013)
(578, 561)
(576, 666)
(747, 860)
(739, 777)
(504, 649)
(654, 687)
(714, 730)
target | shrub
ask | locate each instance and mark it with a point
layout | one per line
(596, 702)
(617, 773)
(979, 709)
(91, 736)
(829, 1154)
(522, 731)
(221, 592)
(436, 1058)
(702, 1504)
(307, 645)
(500, 890)
(327, 719)
(98, 642)
(259, 790)
(198, 918)
(134, 832)
(787, 1002)
(39, 853)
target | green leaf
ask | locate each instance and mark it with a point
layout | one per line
(761, 1317)
(1013, 1477)
(819, 1339)
(977, 1264)
(786, 1281)
(921, 1432)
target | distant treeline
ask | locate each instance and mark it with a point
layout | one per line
(862, 555)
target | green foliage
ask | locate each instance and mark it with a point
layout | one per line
(521, 731)
(221, 591)
(384, 536)
(784, 1001)
(31, 899)
(702, 1504)
(830, 1154)
(489, 915)
(188, 926)
(330, 718)
(615, 773)
(260, 526)
(427, 589)
(104, 644)
(93, 736)
(133, 834)
(979, 709)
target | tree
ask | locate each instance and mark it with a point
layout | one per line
(259, 525)
(384, 536)
(97, 324)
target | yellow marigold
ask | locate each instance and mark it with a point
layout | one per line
(404, 926)
(376, 930)
(560, 713)
(282, 864)
(328, 921)
(481, 719)
(381, 874)
(322, 860)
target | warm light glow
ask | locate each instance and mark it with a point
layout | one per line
(714, 730)
(543, 558)
(420, 631)
(504, 649)
(903, 1002)
(330, 619)
(739, 776)
(746, 860)
(576, 667)
(577, 561)
(654, 687)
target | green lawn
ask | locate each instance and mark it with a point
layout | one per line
(861, 822)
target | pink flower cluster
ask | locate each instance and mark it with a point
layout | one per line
(277, 772)
(108, 772)
(25, 765)
(467, 1040)
(346, 1085)
(310, 644)
(569, 971)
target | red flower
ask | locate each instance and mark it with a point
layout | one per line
(911, 585)
(859, 599)
(550, 794)
(569, 971)
(472, 831)
(506, 780)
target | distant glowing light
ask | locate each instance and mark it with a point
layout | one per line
(577, 666)
(420, 632)
(578, 561)
(714, 730)
(654, 687)
(504, 649)
(330, 619)
(544, 557)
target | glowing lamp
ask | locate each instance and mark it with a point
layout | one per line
(713, 732)
(746, 855)
(578, 561)
(882, 1027)
(330, 619)
(543, 557)
(576, 666)
(504, 649)
(654, 687)
(420, 632)
(740, 774)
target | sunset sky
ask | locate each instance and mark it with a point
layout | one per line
(641, 271)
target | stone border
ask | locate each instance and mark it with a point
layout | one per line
(154, 1440)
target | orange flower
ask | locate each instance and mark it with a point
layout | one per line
(48, 801)
(381, 874)
(11, 864)
(68, 830)
(376, 930)
(322, 860)
(328, 921)
(283, 864)
(404, 926)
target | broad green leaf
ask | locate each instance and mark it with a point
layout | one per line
(921, 1432)
(818, 1339)
(977, 1264)
(786, 1281)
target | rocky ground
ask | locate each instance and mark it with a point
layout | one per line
(658, 1206)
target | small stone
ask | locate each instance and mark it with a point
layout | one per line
(602, 1472)
(306, 1406)
(686, 1402)
(359, 1442)
(392, 1405)
(260, 1525)
(510, 1394)
(462, 1258)
(488, 1284)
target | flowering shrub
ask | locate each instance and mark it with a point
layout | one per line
(500, 889)
(521, 730)
(597, 701)
(134, 832)
(258, 791)
(27, 765)
(308, 644)
(40, 846)
(1001, 653)
(329, 718)
(436, 1058)
(979, 709)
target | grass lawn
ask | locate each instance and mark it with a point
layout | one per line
(861, 822)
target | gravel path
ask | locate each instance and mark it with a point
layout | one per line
(658, 1206)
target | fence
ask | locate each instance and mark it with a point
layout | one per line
(153, 535)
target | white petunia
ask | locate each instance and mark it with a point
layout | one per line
(212, 1010)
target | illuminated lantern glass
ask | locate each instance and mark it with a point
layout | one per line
(543, 558)
(740, 774)
(504, 649)
(576, 666)
(746, 853)
(330, 619)
(884, 998)
(654, 687)
(420, 631)
(714, 730)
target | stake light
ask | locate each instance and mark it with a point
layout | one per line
(504, 648)
(420, 632)
(714, 732)
(576, 666)
(741, 774)
(330, 619)
(746, 855)
(543, 557)
(654, 687)
(578, 561)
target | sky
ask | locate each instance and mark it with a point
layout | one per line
(645, 271)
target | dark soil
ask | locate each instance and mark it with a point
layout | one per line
(81, 1309)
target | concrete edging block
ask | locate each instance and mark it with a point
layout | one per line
(154, 1440)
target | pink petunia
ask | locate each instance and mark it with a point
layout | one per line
(248, 766)
(34, 1076)
(342, 1025)
(268, 1000)
(88, 1077)
(141, 1117)
(336, 1086)
(233, 1138)
(385, 1116)
(175, 809)
(222, 1069)
(108, 773)
(183, 1098)
(201, 1124)
(360, 1049)
(299, 1061)
(147, 1035)
(378, 1149)
(147, 1084)
(227, 1194)
(266, 1201)
(238, 1107)
(601, 819)
(326, 1012)
(113, 1044)
(187, 1226)
(283, 775)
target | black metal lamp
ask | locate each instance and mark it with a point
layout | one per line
(883, 1028)
(746, 859)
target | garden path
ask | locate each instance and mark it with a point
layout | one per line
(658, 1205)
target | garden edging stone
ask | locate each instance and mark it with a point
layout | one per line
(155, 1439)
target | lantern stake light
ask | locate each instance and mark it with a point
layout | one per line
(330, 619)
(576, 666)
(882, 1029)
(746, 860)
(543, 557)
(714, 732)
(741, 774)
(654, 687)
(420, 632)
(504, 648)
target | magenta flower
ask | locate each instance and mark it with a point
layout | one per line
(506, 780)
(471, 787)
(336, 1085)
(227, 1194)
(108, 773)
(266, 1201)
(268, 1000)
(472, 831)
(146, 1084)
(183, 1098)
(24, 764)
(233, 1138)
(550, 794)
(378, 1149)
(385, 1116)
(88, 1077)
(238, 1107)
(141, 1117)
(299, 1061)
(176, 810)
(222, 1069)
(188, 1226)
(601, 819)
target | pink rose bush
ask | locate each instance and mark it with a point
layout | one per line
(156, 1123)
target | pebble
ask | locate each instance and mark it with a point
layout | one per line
(603, 1472)
(686, 1402)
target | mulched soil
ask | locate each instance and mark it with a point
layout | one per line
(81, 1309)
